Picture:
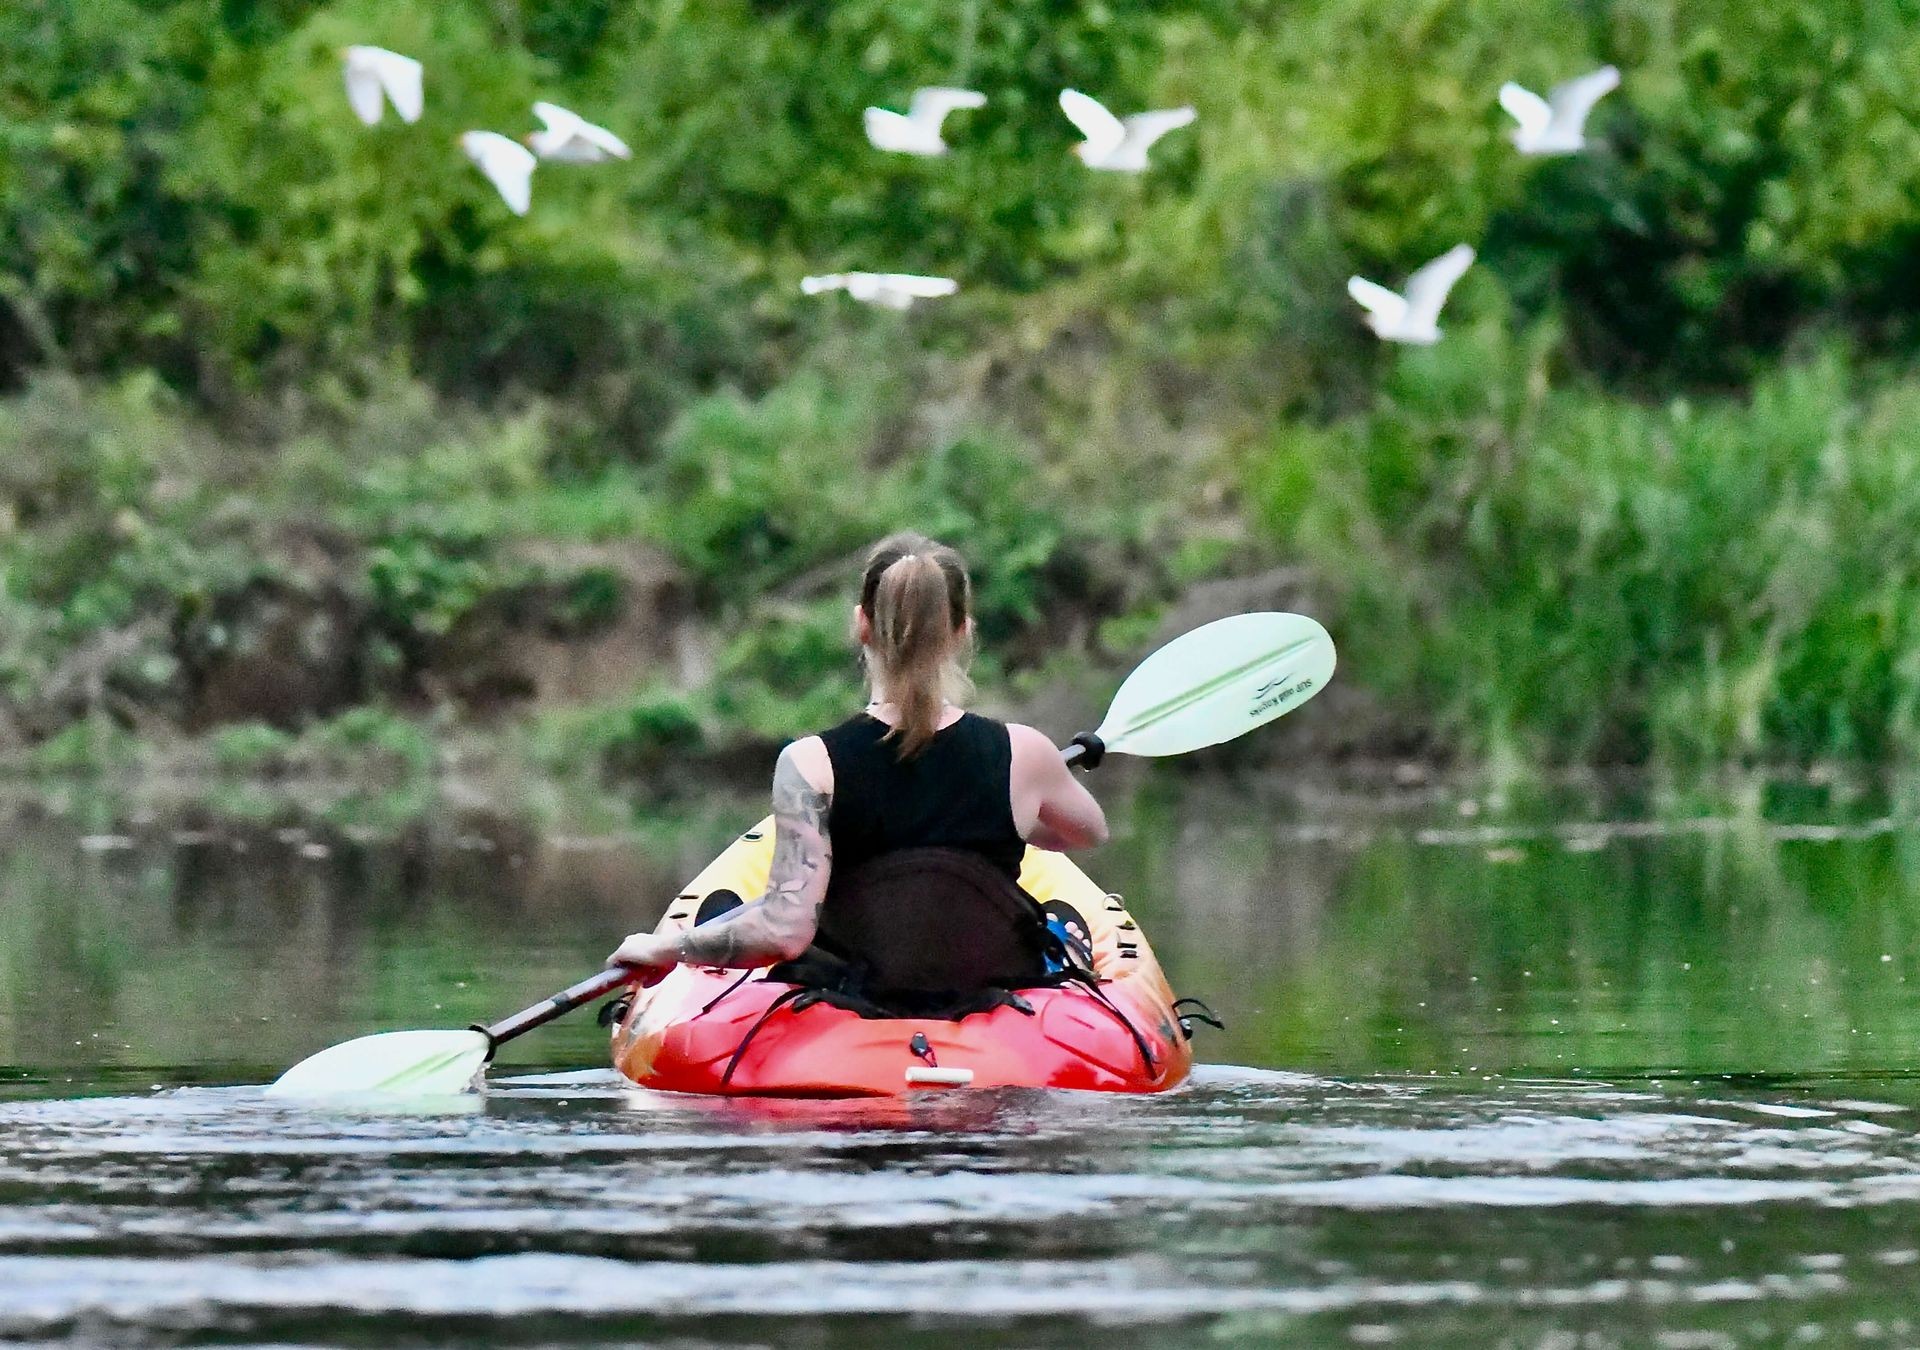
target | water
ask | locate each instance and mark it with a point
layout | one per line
(1584, 1068)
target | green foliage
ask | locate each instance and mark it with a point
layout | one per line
(423, 585)
(250, 747)
(760, 490)
(589, 599)
(637, 735)
(793, 487)
(92, 745)
(1585, 578)
(246, 342)
(977, 493)
(372, 740)
(788, 674)
(185, 187)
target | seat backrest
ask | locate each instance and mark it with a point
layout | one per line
(935, 920)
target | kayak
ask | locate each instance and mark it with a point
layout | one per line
(731, 1033)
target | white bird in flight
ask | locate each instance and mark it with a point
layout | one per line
(1112, 143)
(376, 76)
(917, 130)
(1413, 316)
(507, 164)
(889, 290)
(569, 138)
(1557, 124)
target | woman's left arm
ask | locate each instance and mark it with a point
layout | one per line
(781, 923)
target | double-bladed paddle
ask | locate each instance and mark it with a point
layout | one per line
(1210, 685)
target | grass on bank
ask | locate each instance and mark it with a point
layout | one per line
(1553, 575)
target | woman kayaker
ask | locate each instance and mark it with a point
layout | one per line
(913, 797)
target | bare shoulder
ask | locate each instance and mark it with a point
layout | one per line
(1031, 747)
(807, 760)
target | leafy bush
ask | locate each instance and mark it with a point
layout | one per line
(372, 740)
(92, 745)
(250, 747)
(761, 490)
(245, 340)
(422, 585)
(1570, 576)
(790, 674)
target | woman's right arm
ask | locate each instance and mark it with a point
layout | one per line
(780, 925)
(1054, 808)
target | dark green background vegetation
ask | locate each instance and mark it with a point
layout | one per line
(284, 393)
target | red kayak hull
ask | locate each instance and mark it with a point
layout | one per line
(1071, 1040)
(712, 1032)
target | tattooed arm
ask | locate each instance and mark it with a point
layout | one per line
(781, 923)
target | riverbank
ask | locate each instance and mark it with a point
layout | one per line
(1516, 580)
(281, 445)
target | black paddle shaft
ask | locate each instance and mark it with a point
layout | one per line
(589, 989)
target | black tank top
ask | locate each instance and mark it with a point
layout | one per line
(954, 794)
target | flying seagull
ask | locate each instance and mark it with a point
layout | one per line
(1112, 143)
(889, 290)
(569, 138)
(1414, 316)
(507, 164)
(917, 130)
(1557, 124)
(376, 76)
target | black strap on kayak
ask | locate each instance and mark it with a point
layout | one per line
(845, 984)
(1091, 982)
(714, 1002)
(1075, 966)
(1198, 1012)
(781, 1000)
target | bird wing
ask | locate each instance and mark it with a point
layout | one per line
(558, 120)
(399, 76)
(1143, 129)
(924, 288)
(507, 164)
(887, 129)
(1525, 107)
(605, 140)
(363, 91)
(1572, 101)
(1427, 288)
(815, 285)
(931, 105)
(1377, 299)
(1104, 131)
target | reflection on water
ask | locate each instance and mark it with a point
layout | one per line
(1584, 1069)
(1251, 1204)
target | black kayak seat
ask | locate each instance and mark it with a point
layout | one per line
(927, 933)
(928, 921)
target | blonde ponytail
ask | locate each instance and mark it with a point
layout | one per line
(917, 599)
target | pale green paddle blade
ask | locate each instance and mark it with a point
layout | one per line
(1219, 681)
(397, 1063)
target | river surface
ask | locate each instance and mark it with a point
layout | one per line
(1587, 1066)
